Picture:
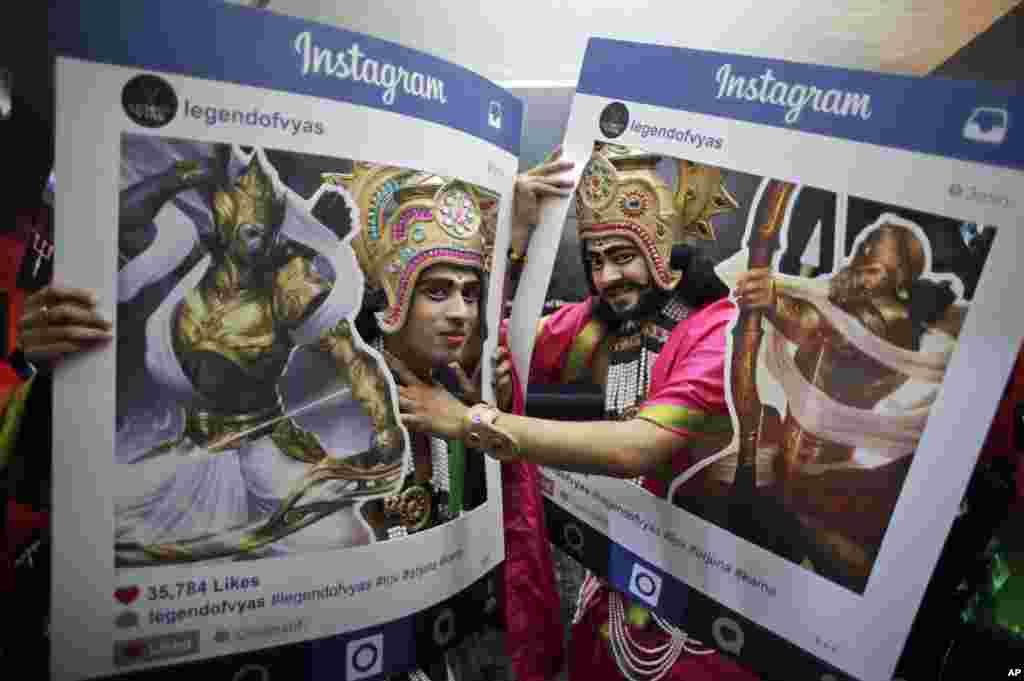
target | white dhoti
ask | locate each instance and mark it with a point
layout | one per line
(186, 492)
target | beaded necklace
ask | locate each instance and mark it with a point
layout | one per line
(440, 478)
(633, 350)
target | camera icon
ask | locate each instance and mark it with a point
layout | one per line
(987, 124)
(645, 585)
(364, 657)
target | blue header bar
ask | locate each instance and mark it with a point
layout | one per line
(966, 120)
(218, 41)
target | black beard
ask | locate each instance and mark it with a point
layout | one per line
(651, 300)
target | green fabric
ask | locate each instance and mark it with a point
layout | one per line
(678, 417)
(582, 350)
(10, 421)
(1009, 606)
(1000, 603)
(456, 476)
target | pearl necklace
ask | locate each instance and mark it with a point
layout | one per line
(626, 387)
(629, 379)
(439, 462)
(635, 661)
(635, 348)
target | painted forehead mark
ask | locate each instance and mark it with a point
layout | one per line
(605, 244)
(456, 278)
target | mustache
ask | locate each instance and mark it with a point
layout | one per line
(651, 299)
(622, 288)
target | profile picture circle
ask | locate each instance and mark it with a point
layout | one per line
(645, 585)
(614, 120)
(149, 101)
(365, 657)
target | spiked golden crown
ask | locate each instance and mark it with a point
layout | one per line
(621, 194)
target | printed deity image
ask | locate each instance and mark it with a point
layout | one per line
(256, 415)
(842, 315)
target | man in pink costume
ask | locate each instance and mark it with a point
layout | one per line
(657, 346)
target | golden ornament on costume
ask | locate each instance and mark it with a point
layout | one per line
(252, 200)
(621, 194)
(489, 202)
(414, 220)
(373, 188)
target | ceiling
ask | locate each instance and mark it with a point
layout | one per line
(541, 42)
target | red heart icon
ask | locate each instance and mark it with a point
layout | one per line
(127, 594)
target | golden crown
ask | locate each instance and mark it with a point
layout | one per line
(621, 194)
(411, 221)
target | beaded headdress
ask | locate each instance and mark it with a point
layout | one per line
(412, 221)
(621, 194)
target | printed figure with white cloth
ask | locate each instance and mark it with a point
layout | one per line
(860, 356)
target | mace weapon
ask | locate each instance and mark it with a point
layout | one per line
(747, 333)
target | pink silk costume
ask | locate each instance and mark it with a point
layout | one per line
(533, 626)
(686, 396)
